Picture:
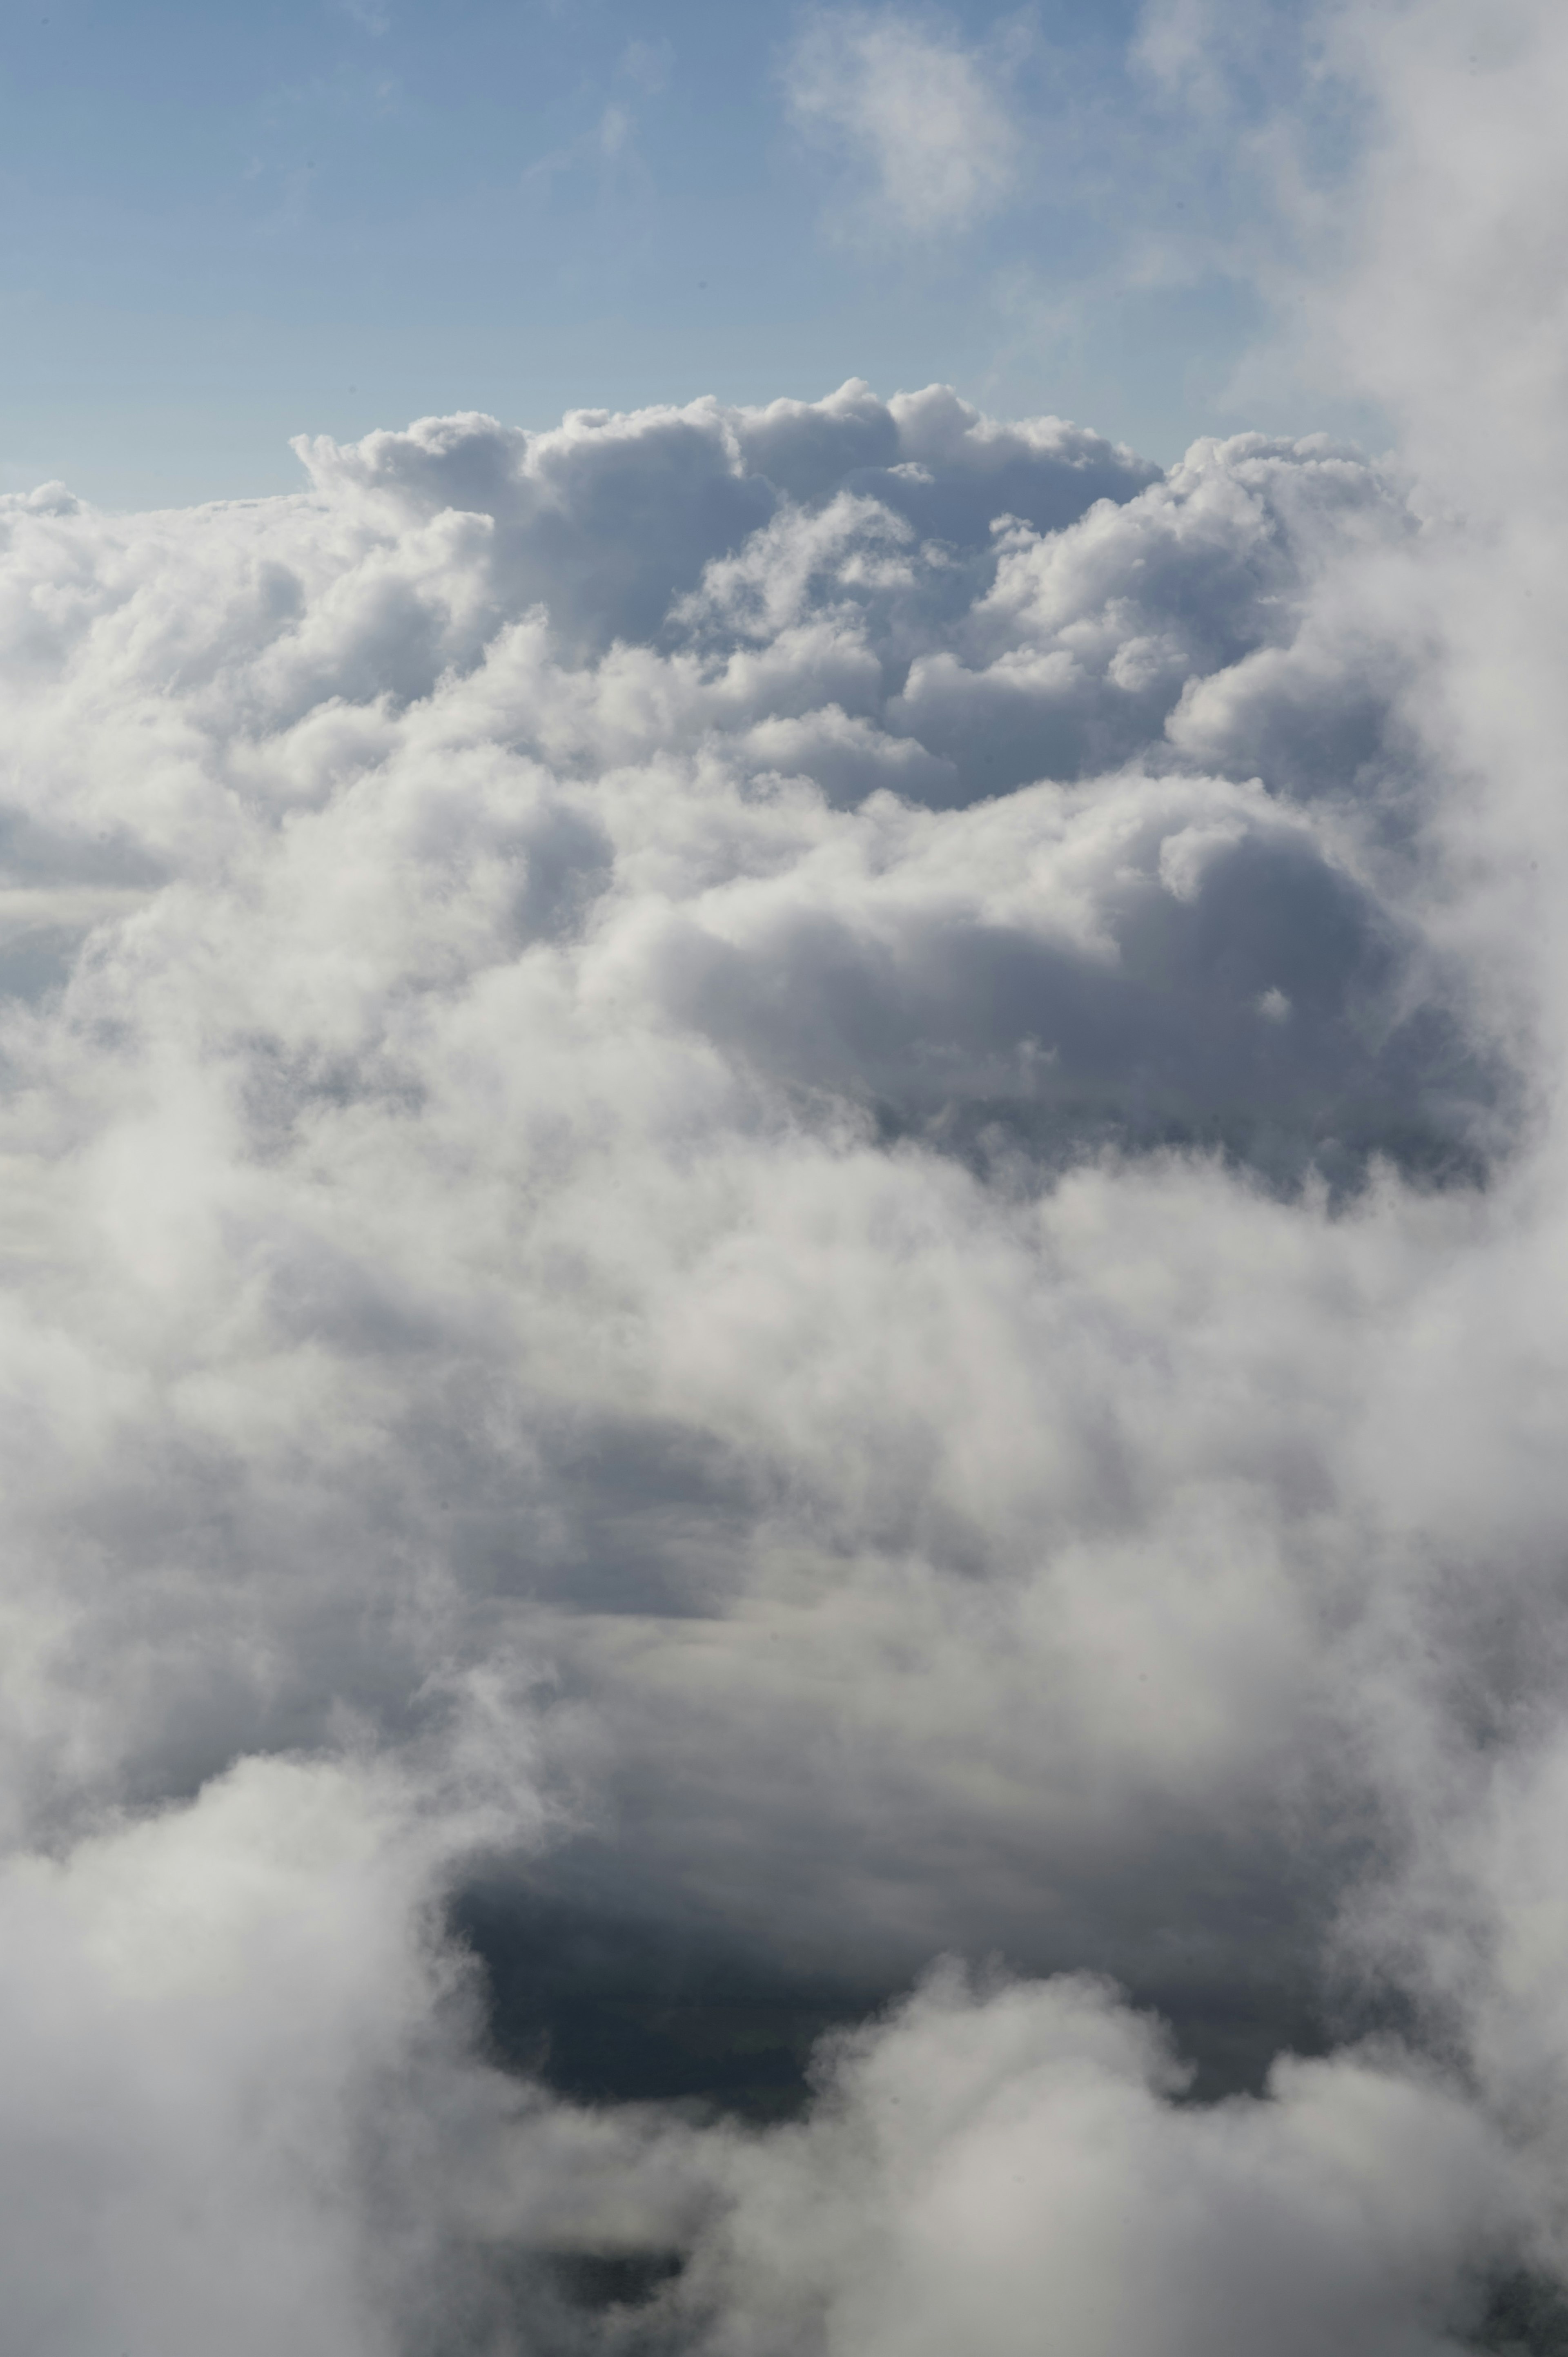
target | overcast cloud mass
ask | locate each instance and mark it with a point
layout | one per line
(784, 1342)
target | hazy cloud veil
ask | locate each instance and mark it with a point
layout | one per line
(793, 1180)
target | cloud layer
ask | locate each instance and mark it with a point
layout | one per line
(788, 1181)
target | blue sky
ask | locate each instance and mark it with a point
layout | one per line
(222, 226)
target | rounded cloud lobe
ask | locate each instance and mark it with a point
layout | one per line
(783, 1180)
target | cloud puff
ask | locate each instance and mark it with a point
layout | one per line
(207, 2014)
(986, 2170)
(914, 108)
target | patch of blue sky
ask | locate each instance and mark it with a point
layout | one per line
(221, 226)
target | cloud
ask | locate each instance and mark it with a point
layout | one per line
(205, 2013)
(910, 106)
(782, 1191)
(982, 2165)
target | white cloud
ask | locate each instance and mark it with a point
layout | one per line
(909, 105)
(983, 2169)
(798, 1171)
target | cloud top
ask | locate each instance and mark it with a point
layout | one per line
(765, 1187)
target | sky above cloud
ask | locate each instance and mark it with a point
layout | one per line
(783, 1241)
(225, 227)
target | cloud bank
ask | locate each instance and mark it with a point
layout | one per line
(783, 1188)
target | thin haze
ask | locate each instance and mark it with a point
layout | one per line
(784, 1240)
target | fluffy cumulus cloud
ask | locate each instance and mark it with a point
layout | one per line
(783, 1196)
(1009, 2170)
